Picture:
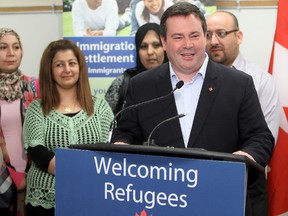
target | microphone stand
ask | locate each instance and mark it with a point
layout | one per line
(152, 141)
(114, 121)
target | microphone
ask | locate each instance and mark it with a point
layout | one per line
(114, 121)
(149, 141)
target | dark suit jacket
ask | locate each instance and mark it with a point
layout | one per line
(227, 119)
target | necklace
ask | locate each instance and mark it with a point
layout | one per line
(69, 108)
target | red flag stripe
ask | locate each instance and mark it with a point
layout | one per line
(281, 35)
(278, 166)
(278, 182)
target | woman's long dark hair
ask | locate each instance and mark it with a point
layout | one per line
(49, 94)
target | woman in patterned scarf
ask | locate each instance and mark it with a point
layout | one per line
(16, 92)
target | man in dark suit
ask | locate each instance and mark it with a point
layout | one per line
(222, 107)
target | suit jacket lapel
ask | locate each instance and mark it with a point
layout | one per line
(163, 80)
(208, 94)
(163, 83)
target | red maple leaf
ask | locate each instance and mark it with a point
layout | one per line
(143, 213)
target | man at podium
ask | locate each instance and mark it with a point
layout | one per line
(220, 106)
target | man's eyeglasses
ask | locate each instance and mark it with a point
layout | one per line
(219, 34)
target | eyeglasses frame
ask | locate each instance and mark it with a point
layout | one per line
(221, 37)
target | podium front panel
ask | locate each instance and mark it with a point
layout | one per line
(109, 183)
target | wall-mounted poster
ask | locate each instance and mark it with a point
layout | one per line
(105, 30)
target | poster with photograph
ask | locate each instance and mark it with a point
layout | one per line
(105, 29)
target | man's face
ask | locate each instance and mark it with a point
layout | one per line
(185, 44)
(223, 39)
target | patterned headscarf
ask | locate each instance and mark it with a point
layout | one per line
(5, 31)
(10, 88)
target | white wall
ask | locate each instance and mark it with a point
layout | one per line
(38, 29)
(258, 26)
(35, 31)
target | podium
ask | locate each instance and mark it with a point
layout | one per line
(106, 179)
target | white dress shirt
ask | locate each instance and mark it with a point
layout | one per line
(187, 98)
(267, 92)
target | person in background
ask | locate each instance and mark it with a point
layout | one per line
(223, 46)
(7, 189)
(16, 92)
(98, 18)
(66, 114)
(134, 23)
(223, 113)
(149, 54)
(150, 10)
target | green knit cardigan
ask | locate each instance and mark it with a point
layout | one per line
(59, 131)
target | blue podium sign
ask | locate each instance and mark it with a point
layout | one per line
(108, 183)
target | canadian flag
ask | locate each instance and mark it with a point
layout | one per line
(278, 166)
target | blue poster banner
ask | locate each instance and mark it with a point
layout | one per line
(109, 183)
(107, 56)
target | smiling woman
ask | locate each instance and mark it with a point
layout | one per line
(65, 69)
(67, 114)
(151, 10)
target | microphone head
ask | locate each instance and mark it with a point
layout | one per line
(179, 84)
(182, 115)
